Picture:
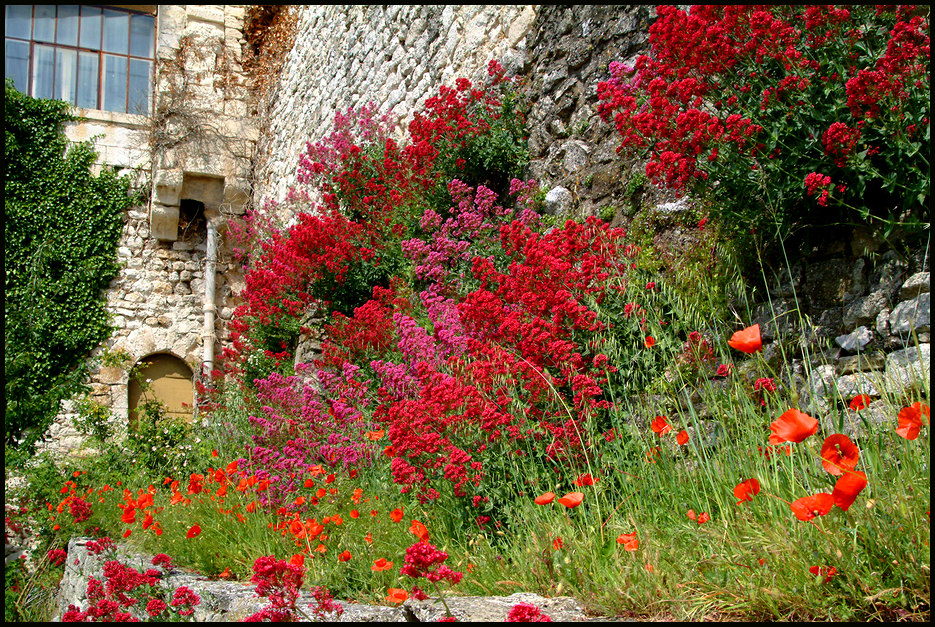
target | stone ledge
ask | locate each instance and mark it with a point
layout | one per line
(223, 601)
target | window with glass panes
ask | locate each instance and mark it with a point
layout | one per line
(91, 56)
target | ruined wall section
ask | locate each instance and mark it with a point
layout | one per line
(394, 56)
(397, 57)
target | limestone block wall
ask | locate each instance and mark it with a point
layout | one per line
(394, 56)
(397, 56)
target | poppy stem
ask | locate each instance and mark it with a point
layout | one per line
(615, 511)
(778, 497)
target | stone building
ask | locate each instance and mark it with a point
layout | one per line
(161, 92)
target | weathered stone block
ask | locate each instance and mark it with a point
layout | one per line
(917, 284)
(856, 341)
(913, 314)
(907, 368)
(864, 311)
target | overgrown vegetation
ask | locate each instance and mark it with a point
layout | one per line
(61, 227)
(507, 405)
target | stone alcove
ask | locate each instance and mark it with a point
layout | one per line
(170, 381)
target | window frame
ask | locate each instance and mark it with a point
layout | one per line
(100, 53)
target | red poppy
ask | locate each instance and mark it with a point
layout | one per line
(703, 517)
(345, 556)
(682, 437)
(824, 571)
(225, 574)
(126, 534)
(396, 595)
(691, 515)
(381, 564)
(388, 451)
(859, 402)
(214, 453)
(418, 529)
(808, 507)
(652, 453)
(838, 454)
(747, 340)
(545, 499)
(297, 529)
(355, 513)
(194, 531)
(129, 515)
(572, 499)
(585, 480)
(396, 515)
(910, 420)
(792, 426)
(746, 490)
(649, 342)
(768, 451)
(297, 560)
(848, 487)
(375, 435)
(660, 425)
(629, 541)
(557, 543)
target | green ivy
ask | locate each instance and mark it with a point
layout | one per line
(61, 228)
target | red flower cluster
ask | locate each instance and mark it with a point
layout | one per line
(424, 560)
(527, 613)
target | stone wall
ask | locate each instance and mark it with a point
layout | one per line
(394, 56)
(233, 601)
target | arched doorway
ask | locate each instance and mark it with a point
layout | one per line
(168, 380)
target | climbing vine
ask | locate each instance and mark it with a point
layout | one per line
(61, 228)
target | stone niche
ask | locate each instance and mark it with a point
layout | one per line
(168, 380)
(171, 188)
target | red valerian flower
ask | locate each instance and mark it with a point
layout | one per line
(545, 499)
(838, 454)
(527, 613)
(660, 425)
(846, 489)
(572, 499)
(682, 437)
(792, 426)
(910, 420)
(746, 490)
(859, 402)
(629, 541)
(193, 531)
(808, 507)
(747, 340)
(824, 571)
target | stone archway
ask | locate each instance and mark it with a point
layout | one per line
(169, 381)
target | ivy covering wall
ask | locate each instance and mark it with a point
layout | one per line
(61, 228)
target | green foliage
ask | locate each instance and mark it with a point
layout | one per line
(61, 227)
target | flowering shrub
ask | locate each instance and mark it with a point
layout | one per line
(816, 111)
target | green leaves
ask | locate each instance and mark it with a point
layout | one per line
(61, 229)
